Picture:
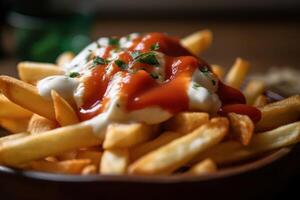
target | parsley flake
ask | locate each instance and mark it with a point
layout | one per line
(148, 58)
(99, 61)
(113, 41)
(135, 54)
(121, 64)
(74, 74)
(204, 70)
(196, 85)
(213, 82)
(154, 75)
(155, 47)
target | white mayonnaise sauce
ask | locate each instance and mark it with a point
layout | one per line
(63, 85)
(202, 92)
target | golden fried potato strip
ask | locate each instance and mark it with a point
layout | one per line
(241, 127)
(175, 154)
(279, 113)
(26, 96)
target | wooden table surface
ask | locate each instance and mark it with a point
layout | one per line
(263, 43)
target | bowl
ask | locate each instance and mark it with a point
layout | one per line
(259, 178)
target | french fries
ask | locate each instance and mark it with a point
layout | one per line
(64, 58)
(89, 170)
(114, 162)
(63, 167)
(127, 135)
(197, 42)
(14, 126)
(64, 113)
(144, 148)
(186, 122)
(279, 113)
(39, 124)
(253, 89)
(237, 73)
(13, 137)
(18, 91)
(179, 152)
(32, 72)
(10, 110)
(49, 137)
(260, 101)
(203, 167)
(231, 151)
(218, 70)
(13, 153)
(242, 128)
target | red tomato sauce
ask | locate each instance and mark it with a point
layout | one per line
(142, 89)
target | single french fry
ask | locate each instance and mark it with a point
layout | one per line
(51, 159)
(64, 58)
(49, 143)
(237, 73)
(63, 167)
(32, 72)
(69, 155)
(39, 124)
(253, 89)
(279, 113)
(94, 156)
(218, 70)
(232, 151)
(260, 101)
(89, 170)
(241, 127)
(197, 42)
(127, 135)
(180, 151)
(13, 137)
(144, 148)
(114, 161)
(64, 113)
(10, 110)
(14, 125)
(26, 96)
(203, 167)
(186, 122)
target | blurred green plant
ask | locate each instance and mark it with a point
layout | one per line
(43, 39)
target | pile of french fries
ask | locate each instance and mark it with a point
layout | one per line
(46, 135)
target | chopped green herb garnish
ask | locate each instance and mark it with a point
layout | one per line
(74, 74)
(98, 44)
(154, 75)
(204, 70)
(155, 47)
(113, 41)
(196, 85)
(128, 37)
(213, 82)
(121, 64)
(99, 61)
(148, 58)
(135, 54)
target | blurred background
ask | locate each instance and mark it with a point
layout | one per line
(264, 32)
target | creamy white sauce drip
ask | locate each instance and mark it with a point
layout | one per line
(202, 92)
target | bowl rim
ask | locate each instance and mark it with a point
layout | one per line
(223, 173)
